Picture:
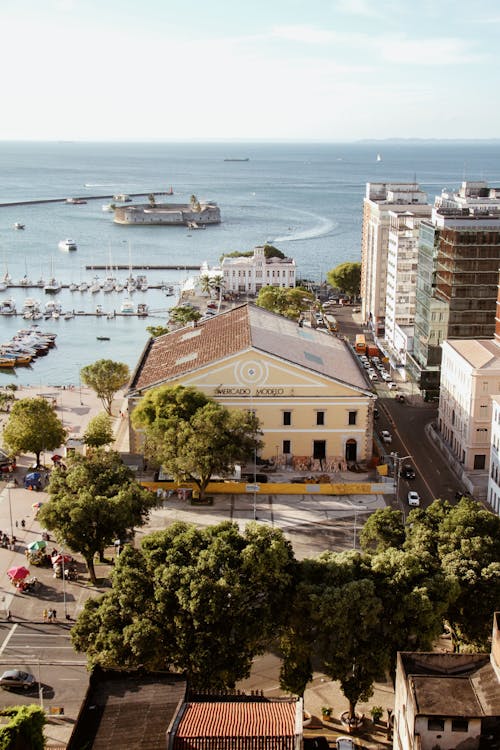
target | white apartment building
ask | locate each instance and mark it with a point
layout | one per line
(470, 374)
(401, 273)
(493, 495)
(381, 200)
(474, 196)
(250, 274)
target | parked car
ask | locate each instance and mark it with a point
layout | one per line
(344, 743)
(15, 678)
(413, 498)
(386, 436)
(391, 385)
(376, 414)
(373, 376)
(408, 472)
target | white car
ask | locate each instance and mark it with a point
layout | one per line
(386, 376)
(391, 385)
(386, 436)
(413, 498)
(373, 376)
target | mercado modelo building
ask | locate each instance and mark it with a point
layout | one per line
(304, 385)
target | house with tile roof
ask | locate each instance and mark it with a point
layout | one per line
(238, 723)
(445, 700)
(304, 385)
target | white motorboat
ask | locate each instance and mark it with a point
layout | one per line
(119, 287)
(69, 314)
(67, 245)
(99, 310)
(25, 281)
(8, 307)
(51, 307)
(73, 287)
(122, 198)
(95, 286)
(83, 286)
(127, 307)
(18, 225)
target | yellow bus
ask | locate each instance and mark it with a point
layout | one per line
(331, 322)
(360, 344)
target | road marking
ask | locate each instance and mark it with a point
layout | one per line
(6, 641)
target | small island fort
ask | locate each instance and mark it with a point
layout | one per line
(196, 214)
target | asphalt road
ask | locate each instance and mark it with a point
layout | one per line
(44, 649)
(407, 424)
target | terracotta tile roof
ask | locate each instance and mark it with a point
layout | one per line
(188, 349)
(237, 719)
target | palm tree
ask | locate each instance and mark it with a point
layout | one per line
(206, 284)
(217, 283)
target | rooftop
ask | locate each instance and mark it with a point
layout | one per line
(481, 354)
(236, 331)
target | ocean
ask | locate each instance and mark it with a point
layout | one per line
(304, 198)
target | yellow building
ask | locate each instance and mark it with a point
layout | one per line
(305, 385)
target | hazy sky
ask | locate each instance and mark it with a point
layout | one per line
(249, 70)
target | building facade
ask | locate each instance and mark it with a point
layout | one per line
(381, 200)
(493, 492)
(401, 273)
(470, 375)
(445, 700)
(249, 274)
(304, 385)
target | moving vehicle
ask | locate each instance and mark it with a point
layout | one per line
(360, 343)
(67, 245)
(413, 498)
(15, 678)
(407, 472)
(386, 436)
(344, 743)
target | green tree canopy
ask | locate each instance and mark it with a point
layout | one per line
(93, 502)
(33, 427)
(99, 431)
(183, 315)
(156, 331)
(346, 277)
(205, 601)
(383, 529)
(105, 377)
(284, 301)
(24, 729)
(192, 436)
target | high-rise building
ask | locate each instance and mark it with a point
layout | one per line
(458, 262)
(383, 199)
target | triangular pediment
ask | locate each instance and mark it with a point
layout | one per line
(256, 374)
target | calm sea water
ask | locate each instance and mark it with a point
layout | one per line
(304, 198)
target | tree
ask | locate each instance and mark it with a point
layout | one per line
(346, 277)
(272, 252)
(99, 431)
(183, 315)
(156, 331)
(25, 728)
(105, 377)
(285, 301)
(202, 600)
(469, 552)
(93, 502)
(192, 436)
(33, 427)
(194, 203)
(206, 285)
(382, 530)
(6, 400)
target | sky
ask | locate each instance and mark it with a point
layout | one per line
(275, 70)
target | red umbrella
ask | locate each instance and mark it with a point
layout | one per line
(18, 573)
(56, 457)
(59, 558)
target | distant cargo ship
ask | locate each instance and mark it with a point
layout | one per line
(246, 158)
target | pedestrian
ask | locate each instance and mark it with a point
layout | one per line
(49, 615)
(54, 615)
(17, 524)
(9, 615)
(23, 523)
(45, 615)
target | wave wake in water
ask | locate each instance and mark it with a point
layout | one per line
(325, 226)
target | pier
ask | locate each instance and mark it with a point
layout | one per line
(41, 201)
(141, 267)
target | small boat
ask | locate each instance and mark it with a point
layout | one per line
(119, 287)
(75, 200)
(102, 338)
(245, 158)
(18, 225)
(7, 362)
(8, 307)
(95, 286)
(25, 281)
(52, 307)
(83, 286)
(99, 310)
(379, 157)
(67, 245)
(52, 286)
(69, 314)
(127, 307)
(194, 225)
(142, 310)
(122, 198)
(108, 207)
(73, 287)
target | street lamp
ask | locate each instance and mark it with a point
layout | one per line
(397, 471)
(10, 485)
